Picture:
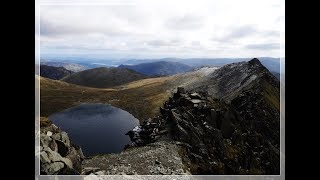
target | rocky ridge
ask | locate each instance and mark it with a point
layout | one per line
(215, 136)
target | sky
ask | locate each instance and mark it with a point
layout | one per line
(158, 29)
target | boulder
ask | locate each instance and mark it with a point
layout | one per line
(49, 133)
(52, 168)
(44, 157)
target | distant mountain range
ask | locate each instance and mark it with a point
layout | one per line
(54, 72)
(104, 77)
(69, 66)
(273, 64)
(159, 68)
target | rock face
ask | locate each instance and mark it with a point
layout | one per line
(231, 80)
(219, 138)
(58, 155)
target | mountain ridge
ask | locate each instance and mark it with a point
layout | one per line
(159, 68)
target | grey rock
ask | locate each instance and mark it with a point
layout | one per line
(89, 170)
(49, 133)
(56, 136)
(103, 172)
(54, 168)
(195, 96)
(65, 138)
(44, 140)
(44, 157)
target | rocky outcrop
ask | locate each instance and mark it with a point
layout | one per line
(58, 155)
(218, 138)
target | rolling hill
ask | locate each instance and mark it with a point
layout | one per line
(162, 68)
(54, 72)
(104, 77)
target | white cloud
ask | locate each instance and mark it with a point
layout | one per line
(186, 22)
(206, 28)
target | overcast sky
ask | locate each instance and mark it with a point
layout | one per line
(157, 29)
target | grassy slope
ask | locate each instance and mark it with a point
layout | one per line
(141, 98)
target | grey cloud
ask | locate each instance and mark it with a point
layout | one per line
(266, 46)
(186, 22)
(246, 31)
(272, 33)
(48, 28)
(243, 31)
(173, 42)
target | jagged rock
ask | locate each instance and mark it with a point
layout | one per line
(181, 90)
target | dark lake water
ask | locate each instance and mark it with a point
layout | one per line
(97, 128)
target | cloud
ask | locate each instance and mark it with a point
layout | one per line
(207, 28)
(185, 22)
(236, 34)
(267, 46)
(243, 31)
(174, 42)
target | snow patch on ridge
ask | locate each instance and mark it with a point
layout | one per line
(207, 70)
